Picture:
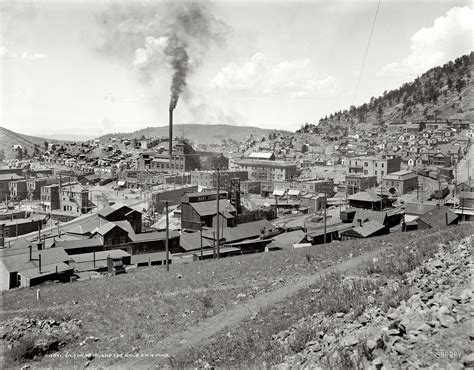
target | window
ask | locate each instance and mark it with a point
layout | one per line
(381, 172)
(383, 166)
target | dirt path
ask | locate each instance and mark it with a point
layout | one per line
(200, 334)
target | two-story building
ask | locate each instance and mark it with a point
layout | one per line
(400, 182)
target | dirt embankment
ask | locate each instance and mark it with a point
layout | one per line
(433, 327)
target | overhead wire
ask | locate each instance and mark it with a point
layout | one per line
(366, 51)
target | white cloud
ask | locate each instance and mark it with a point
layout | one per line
(258, 76)
(153, 53)
(449, 37)
(7, 53)
(32, 56)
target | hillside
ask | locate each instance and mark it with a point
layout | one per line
(9, 138)
(234, 313)
(202, 134)
(443, 92)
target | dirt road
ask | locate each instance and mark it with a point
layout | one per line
(200, 334)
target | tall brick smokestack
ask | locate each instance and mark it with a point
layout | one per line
(171, 134)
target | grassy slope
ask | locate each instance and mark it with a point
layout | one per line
(135, 311)
(9, 138)
(252, 343)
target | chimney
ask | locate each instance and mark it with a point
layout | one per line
(39, 262)
(360, 222)
(31, 254)
(446, 217)
(170, 134)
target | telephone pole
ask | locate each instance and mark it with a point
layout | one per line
(325, 206)
(167, 240)
(217, 219)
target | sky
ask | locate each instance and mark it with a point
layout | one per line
(92, 67)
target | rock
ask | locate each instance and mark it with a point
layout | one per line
(340, 315)
(329, 338)
(468, 360)
(444, 310)
(179, 276)
(400, 348)
(393, 315)
(378, 362)
(393, 332)
(349, 341)
(446, 320)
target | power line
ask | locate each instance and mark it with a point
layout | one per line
(366, 51)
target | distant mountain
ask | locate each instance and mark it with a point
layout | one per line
(202, 134)
(69, 137)
(443, 92)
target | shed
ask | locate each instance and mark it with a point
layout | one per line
(438, 218)
(365, 230)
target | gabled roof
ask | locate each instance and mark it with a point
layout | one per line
(104, 212)
(365, 215)
(367, 229)
(104, 229)
(209, 208)
(438, 217)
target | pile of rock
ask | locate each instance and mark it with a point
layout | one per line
(38, 337)
(430, 328)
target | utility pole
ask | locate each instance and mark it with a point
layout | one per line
(439, 189)
(167, 240)
(217, 219)
(381, 196)
(200, 234)
(325, 206)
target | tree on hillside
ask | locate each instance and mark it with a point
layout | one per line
(19, 154)
(2, 155)
(25, 153)
(46, 144)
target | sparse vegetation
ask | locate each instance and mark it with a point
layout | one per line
(133, 312)
(252, 343)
